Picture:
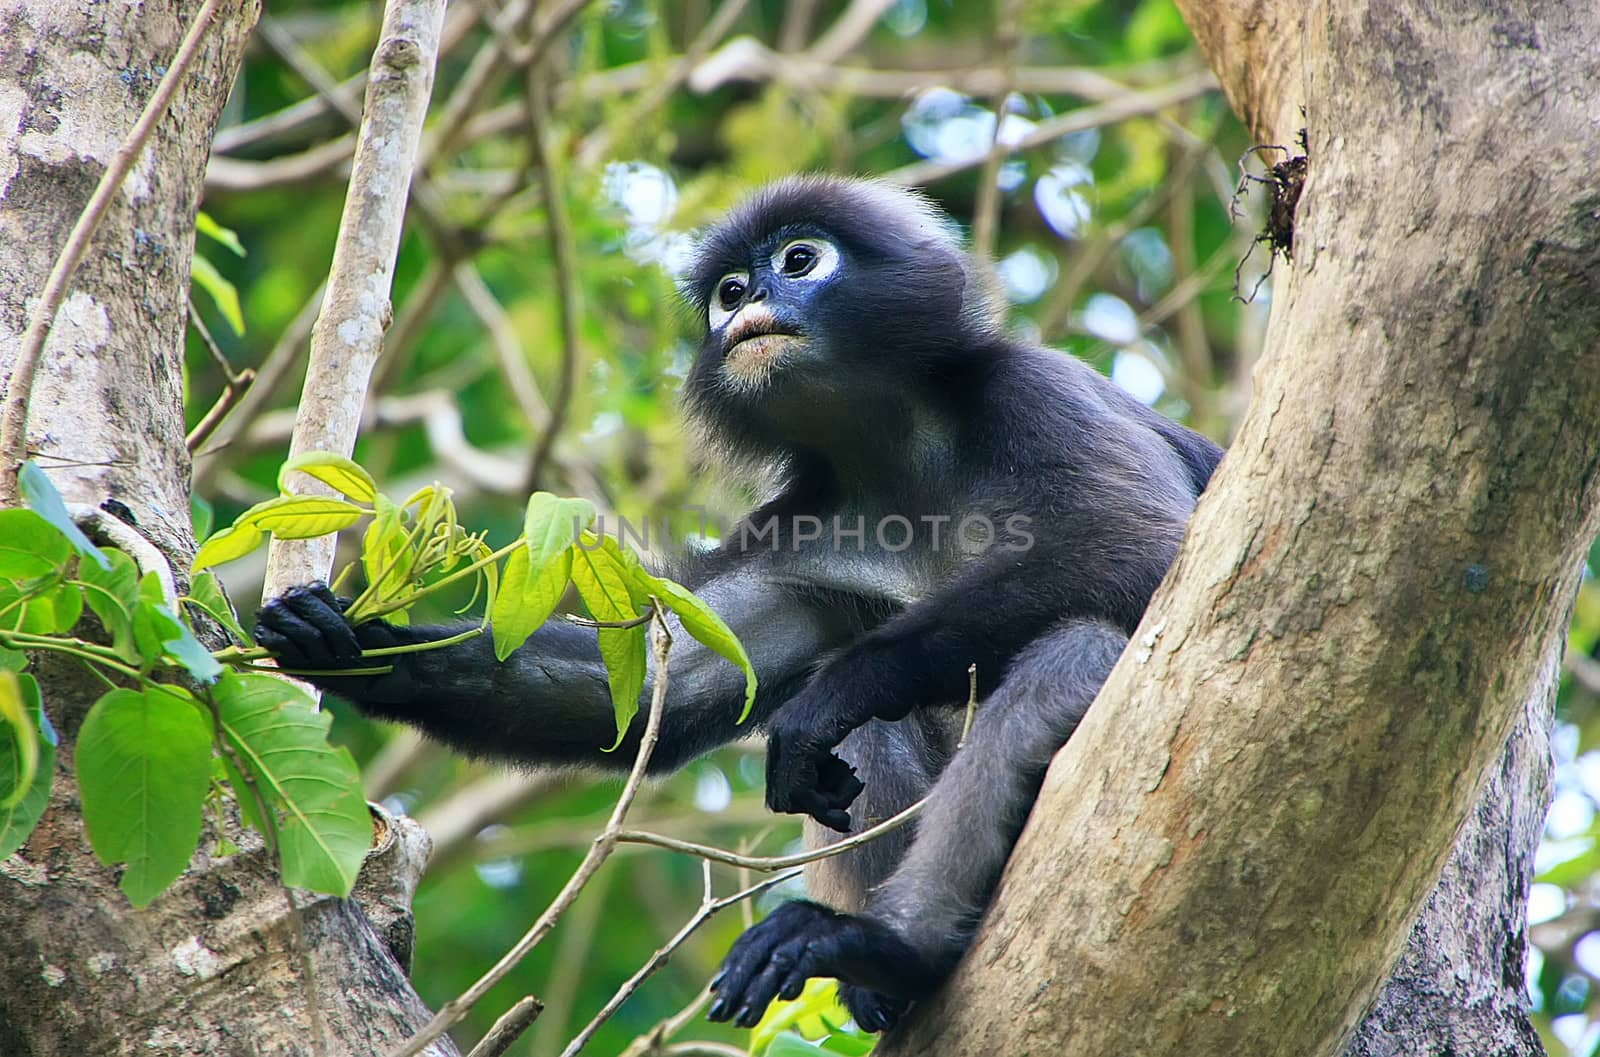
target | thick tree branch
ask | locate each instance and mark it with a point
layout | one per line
(1374, 588)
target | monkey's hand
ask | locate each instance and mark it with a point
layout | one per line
(804, 777)
(801, 940)
(307, 629)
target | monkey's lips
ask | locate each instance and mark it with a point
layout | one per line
(750, 360)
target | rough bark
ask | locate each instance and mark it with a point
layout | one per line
(211, 966)
(1231, 854)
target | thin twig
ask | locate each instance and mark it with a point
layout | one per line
(509, 1028)
(1058, 310)
(986, 213)
(561, 251)
(600, 850)
(768, 863)
(234, 385)
(274, 368)
(653, 1040)
(708, 907)
(1134, 104)
(19, 391)
(595, 145)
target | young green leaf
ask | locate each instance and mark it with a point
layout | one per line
(50, 611)
(526, 599)
(235, 541)
(206, 224)
(625, 652)
(204, 274)
(113, 595)
(300, 517)
(144, 764)
(158, 632)
(552, 524)
(17, 726)
(43, 499)
(383, 549)
(206, 594)
(201, 515)
(23, 800)
(602, 584)
(708, 629)
(29, 545)
(324, 830)
(335, 471)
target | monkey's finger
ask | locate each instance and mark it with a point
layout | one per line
(307, 647)
(747, 956)
(325, 617)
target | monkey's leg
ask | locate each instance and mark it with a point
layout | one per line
(920, 921)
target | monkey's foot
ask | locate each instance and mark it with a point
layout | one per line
(872, 1010)
(801, 940)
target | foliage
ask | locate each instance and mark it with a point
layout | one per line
(416, 547)
(143, 756)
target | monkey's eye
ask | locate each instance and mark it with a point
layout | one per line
(799, 259)
(808, 259)
(727, 297)
(730, 291)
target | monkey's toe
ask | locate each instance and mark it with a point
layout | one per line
(872, 1010)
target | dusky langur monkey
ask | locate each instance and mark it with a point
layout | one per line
(983, 501)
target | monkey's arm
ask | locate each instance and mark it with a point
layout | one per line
(549, 701)
(920, 657)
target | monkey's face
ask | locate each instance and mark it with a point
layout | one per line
(823, 299)
(755, 316)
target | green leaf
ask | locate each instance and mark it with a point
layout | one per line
(12, 660)
(625, 652)
(49, 612)
(206, 594)
(336, 471)
(383, 547)
(301, 517)
(708, 629)
(201, 515)
(602, 584)
(816, 1013)
(233, 542)
(113, 594)
(42, 497)
(526, 599)
(205, 275)
(552, 524)
(158, 632)
(29, 545)
(23, 732)
(207, 225)
(144, 764)
(22, 802)
(324, 830)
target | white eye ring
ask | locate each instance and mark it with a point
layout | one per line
(716, 312)
(824, 263)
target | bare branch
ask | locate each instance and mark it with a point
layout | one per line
(348, 335)
(509, 1028)
(1133, 104)
(19, 390)
(708, 907)
(599, 851)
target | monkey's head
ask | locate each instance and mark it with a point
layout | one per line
(822, 298)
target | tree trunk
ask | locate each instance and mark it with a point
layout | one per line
(1231, 854)
(214, 966)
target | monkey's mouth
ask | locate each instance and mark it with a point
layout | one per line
(755, 347)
